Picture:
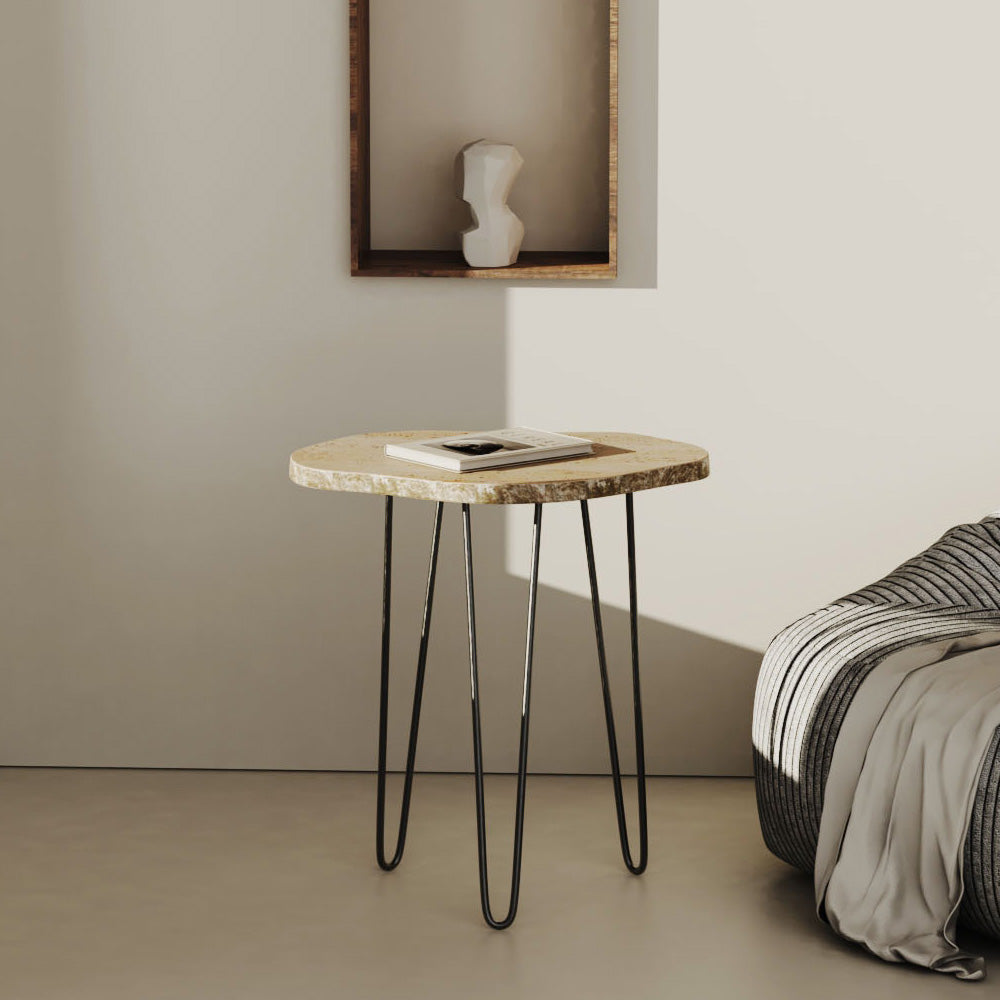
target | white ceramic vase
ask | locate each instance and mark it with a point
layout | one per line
(488, 173)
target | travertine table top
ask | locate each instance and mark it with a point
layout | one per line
(620, 463)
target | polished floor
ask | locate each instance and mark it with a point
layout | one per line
(191, 885)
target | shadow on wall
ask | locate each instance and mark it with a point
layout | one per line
(178, 314)
(695, 689)
(179, 318)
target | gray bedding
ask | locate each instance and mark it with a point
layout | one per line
(898, 799)
(813, 670)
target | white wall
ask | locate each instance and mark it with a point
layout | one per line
(175, 317)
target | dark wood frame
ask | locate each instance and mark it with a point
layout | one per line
(546, 264)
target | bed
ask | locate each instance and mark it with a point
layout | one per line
(813, 669)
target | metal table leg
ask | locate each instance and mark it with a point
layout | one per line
(609, 715)
(418, 690)
(522, 765)
(477, 741)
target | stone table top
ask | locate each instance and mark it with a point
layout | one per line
(620, 463)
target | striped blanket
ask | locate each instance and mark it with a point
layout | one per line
(813, 669)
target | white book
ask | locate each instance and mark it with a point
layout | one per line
(490, 449)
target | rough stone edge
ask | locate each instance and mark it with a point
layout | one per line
(492, 493)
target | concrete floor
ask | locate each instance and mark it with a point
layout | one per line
(188, 885)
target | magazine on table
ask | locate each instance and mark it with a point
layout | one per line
(490, 449)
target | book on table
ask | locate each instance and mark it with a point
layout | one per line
(490, 449)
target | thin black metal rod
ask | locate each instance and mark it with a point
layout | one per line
(609, 715)
(477, 738)
(418, 690)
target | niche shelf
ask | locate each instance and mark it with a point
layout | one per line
(547, 264)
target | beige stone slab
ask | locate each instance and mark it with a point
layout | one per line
(620, 463)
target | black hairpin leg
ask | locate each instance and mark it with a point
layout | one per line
(418, 690)
(477, 742)
(609, 715)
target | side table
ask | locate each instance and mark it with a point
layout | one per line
(620, 464)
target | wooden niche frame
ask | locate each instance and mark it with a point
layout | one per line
(544, 264)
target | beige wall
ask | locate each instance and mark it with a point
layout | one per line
(810, 288)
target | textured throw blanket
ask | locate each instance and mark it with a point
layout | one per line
(898, 801)
(936, 608)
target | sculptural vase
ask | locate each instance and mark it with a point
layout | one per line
(488, 172)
